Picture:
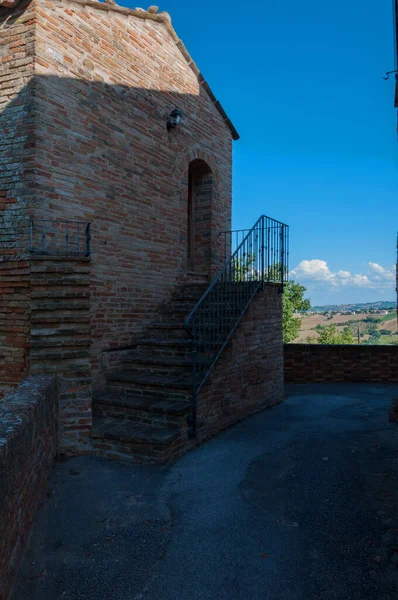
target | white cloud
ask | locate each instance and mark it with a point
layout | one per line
(318, 273)
(376, 268)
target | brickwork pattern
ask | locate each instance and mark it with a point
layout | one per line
(28, 443)
(17, 124)
(86, 93)
(60, 341)
(14, 323)
(141, 415)
(105, 85)
(305, 363)
(249, 375)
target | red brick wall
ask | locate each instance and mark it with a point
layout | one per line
(28, 442)
(45, 328)
(17, 123)
(105, 85)
(17, 119)
(306, 363)
(249, 375)
(61, 341)
(14, 323)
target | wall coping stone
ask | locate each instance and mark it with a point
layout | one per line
(360, 348)
(28, 439)
(18, 407)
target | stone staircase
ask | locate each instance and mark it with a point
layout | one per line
(141, 414)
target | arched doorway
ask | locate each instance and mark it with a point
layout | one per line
(200, 199)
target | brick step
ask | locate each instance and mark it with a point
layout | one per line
(156, 369)
(178, 326)
(158, 410)
(155, 394)
(46, 319)
(164, 342)
(56, 332)
(59, 263)
(187, 299)
(37, 356)
(139, 443)
(43, 306)
(212, 321)
(60, 271)
(168, 355)
(60, 341)
(37, 280)
(213, 314)
(144, 381)
(168, 330)
(182, 305)
(163, 352)
(57, 314)
(164, 361)
(193, 290)
(164, 347)
(160, 402)
(166, 366)
(59, 295)
(168, 325)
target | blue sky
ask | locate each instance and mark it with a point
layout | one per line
(303, 84)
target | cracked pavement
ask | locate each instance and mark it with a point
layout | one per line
(299, 502)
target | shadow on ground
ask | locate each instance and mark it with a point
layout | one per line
(299, 502)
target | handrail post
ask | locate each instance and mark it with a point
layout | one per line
(192, 421)
(31, 236)
(282, 257)
(262, 251)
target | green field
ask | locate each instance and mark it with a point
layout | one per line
(366, 323)
(387, 340)
(388, 317)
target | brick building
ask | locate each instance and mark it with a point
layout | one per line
(111, 225)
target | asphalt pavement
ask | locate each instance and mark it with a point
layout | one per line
(299, 502)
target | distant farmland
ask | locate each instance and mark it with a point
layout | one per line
(387, 322)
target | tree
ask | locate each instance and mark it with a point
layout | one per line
(243, 269)
(293, 301)
(329, 334)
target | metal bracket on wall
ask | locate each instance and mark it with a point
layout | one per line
(389, 73)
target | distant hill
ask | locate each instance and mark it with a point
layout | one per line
(381, 305)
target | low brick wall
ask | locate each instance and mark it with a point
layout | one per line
(306, 363)
(249, 375)
(28, 442)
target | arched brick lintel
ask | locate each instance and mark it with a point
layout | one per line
(221, 197)
(190, 154)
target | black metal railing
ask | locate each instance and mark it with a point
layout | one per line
(64, 238)
(260, 257)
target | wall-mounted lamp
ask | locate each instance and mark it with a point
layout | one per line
(174, 119)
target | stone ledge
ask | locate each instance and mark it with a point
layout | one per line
(60, 258)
